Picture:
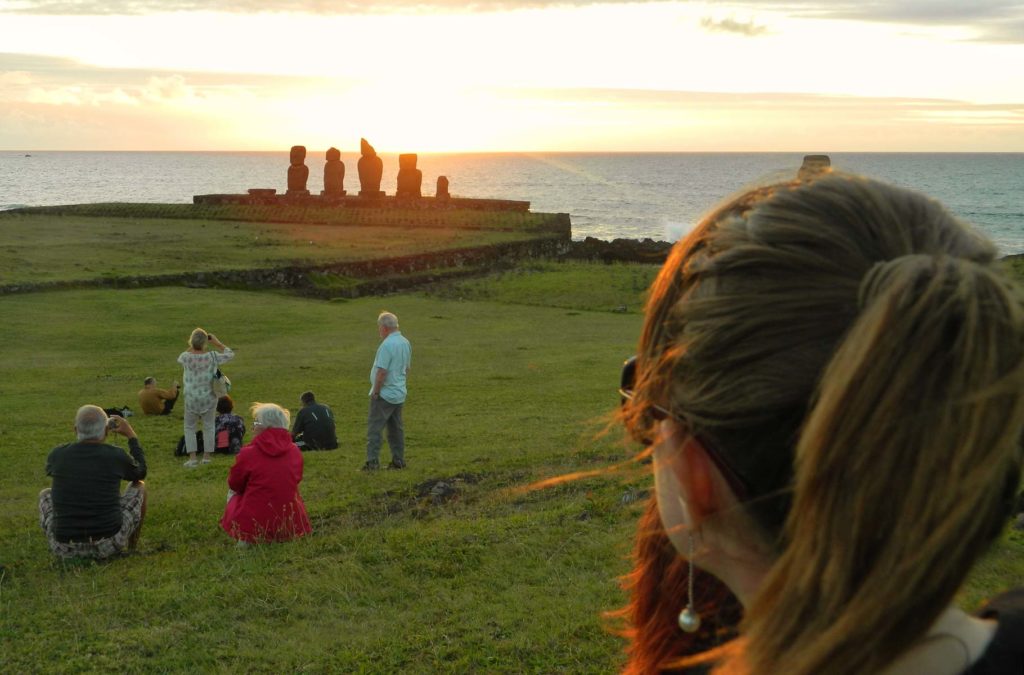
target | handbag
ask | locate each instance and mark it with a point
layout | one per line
(221, 383)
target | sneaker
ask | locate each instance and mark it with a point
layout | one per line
(396, 464)
(205, 460)
(191, 464)
(371, 466)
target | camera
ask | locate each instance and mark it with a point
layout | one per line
(112, 423)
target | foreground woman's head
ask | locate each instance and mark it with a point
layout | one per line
(269, 416)
(842, 363)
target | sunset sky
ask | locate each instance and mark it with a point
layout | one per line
(578, 75)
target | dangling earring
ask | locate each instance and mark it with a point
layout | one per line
(689, 620)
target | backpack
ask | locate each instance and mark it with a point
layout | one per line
(180, 450)
(232, 445)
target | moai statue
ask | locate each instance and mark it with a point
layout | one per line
(410, 179)
(371, 168)
(813, 166)
(298, 172)
(334, 174)
(442, 189)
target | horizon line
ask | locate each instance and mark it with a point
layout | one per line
(553, 152)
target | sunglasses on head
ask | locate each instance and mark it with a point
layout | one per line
(627, 393)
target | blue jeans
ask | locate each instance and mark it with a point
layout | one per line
(384, 414)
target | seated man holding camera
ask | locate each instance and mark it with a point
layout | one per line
(83, 513)
(155, 401)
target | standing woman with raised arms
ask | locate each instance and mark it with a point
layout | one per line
(831, 380)
(199, 367)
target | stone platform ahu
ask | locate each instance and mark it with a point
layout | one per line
(370, 168)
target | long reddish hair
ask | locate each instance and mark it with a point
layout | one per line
(657, 586)
(857, 355)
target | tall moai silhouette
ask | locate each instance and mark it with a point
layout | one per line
(334, 174)
(410, 179)
(371, 168)
(298, 172)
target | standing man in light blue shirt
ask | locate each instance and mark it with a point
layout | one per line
(387, 394)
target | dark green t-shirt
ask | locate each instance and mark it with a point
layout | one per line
(86, 487)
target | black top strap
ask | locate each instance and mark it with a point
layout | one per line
(1005, 654)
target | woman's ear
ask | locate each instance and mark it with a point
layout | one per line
(699, 479)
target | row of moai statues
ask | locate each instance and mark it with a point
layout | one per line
(371, 169)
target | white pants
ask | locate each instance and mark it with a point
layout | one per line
(209, 437)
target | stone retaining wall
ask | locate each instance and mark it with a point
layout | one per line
(355, 201)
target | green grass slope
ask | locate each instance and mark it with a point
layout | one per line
(386, 215)
(570, 285)
(43, 248)
(504, 392)
(495, 580)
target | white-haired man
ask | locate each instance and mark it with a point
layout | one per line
(387, 393)
(83, 512)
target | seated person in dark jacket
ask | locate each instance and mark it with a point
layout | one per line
(83, 512)
(313, 428)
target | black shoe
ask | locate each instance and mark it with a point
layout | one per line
(371, 466)
(396, 464)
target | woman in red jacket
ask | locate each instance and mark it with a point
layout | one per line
(263, 501)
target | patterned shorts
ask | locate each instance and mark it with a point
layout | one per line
(131, 519)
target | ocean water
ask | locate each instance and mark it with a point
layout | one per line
(657, 195)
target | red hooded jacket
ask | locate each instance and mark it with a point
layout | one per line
(266, 476)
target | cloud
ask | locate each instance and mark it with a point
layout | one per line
(913, 11)
(53, 104)
(748, 28)
(1011, 32)
(931, 12)
(322, 7)
(15, 78)
(79, 96)
(24, 69)
(993, 20)
(55, 81)
(170, 88)
(781, 101)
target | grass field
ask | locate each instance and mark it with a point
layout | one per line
(504, 392)
(461, 218)
(41, 248)
(495, 580)
(568, 285)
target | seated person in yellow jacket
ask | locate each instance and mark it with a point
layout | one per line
(154, 401)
